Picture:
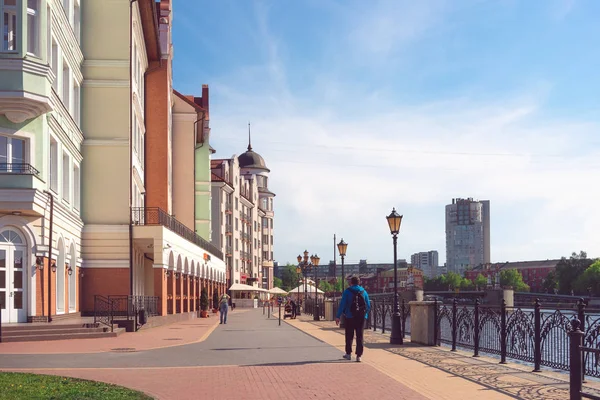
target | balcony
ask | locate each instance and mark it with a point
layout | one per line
(18, 169)
(228, 230)
(228, 251)
(157, 216)
(228, 208)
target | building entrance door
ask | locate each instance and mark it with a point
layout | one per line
(13, 282)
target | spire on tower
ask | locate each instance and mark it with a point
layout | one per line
(249, 139)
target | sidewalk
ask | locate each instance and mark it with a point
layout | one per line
(176, 334)
(433, 371)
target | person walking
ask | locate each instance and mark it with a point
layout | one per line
(293, 305)
(224, 307)
(355, 306)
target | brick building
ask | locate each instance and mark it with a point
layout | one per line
(534, 272)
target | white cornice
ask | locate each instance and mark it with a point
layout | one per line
(108, 142)
(25, 65)
(106, 83)
(96, 228)
(106, 63)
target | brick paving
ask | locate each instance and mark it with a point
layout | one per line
(252, 357)
(512, 380)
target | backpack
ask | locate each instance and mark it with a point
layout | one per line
(358, 307)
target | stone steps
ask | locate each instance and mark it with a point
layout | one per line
(44, 332)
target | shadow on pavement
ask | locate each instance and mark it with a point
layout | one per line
(337, 361)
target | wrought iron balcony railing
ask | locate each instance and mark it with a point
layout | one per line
(18, 168)
(157, 216)
(228, 206)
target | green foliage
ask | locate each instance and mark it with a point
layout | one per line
(550, 282)
(480, 282)
(325, 286)
(277, 282)
(31, 386)
(204, 300)
(452, 280)
(513, 278)
(337, 286)
(215, 300)
(289, 277)
(589, 280)
(568, 270)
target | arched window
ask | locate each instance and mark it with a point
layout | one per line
(10, 236)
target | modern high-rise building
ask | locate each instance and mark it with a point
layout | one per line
(467, 234)
(427, 261)
(242, 218)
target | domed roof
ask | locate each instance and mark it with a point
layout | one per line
(251, 159)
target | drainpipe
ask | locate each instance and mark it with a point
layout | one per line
(50, 255)
(131, 147)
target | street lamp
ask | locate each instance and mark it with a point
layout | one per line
(298, 272)
(305, 266)
(315, 261)
(394, 220)
(342, 246)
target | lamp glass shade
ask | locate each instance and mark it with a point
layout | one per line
(394, 220)
(305, 253)
(342, 246)
(298, 270)
(299, 258)
(316, 260)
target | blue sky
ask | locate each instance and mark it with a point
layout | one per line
(358, 107)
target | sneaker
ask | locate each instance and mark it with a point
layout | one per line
(347, 357)
(357, 358)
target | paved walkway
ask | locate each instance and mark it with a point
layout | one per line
(436, 371)
(251, 357)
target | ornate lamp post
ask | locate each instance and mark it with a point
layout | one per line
(305, 267)
(298, 272)
(342, 246)
(394, 220)
(315, 261)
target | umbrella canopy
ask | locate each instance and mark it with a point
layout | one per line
(309, 289)
(240, 287)
(277, 290)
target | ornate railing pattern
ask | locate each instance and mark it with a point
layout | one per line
(18, 168)
(103, 311)
(157, 216)
(532, 334)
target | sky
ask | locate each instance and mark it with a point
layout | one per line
(358, 107)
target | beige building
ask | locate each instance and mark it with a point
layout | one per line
(242, 218)
(132, 242)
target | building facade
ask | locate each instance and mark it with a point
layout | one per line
(243, 218)
(427, 261)
(534, 272)
(467, 234)
(133, 244)
(40, 159)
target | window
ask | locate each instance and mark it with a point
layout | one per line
(66, 169)
(76, 188)
(135, 135)
(55, 65)
(77, 22)
(66, 83)
(65, 4)
(33, 27)
(236, 224)
(236, 203)
(9, 25)
(236, 244)
(76, 102)
(12, 154)
(53, 165)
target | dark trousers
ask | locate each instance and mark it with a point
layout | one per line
(354, 325)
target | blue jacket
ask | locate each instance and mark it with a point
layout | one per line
(346, 301)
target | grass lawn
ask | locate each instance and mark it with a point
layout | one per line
(31, 386)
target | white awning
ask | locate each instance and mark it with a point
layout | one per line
(277, 290)
(240, 287)
(309, 289)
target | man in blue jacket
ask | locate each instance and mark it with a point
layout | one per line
(355, 305)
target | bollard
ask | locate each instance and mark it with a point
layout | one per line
(269, 312)
(263, 308)
(279, 314)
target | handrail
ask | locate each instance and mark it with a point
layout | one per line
(103, 311)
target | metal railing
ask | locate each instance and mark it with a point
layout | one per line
(157, 216)
(535, 335)
(228, 206)
(382, 310)
(103, 311)
(18, 168)
(107, 309)
(578, 355)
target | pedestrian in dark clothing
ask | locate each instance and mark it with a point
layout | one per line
(293, 304)
(355, 306)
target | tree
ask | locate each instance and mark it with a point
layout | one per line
(465, 284)
(480, 282)
(325, 286)
(513, 278)
(289, 277)
(568, 270)
(550, 283)
(277, 282)
(204, 300)
(452, 280)
(337, 286)
(589, 280)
